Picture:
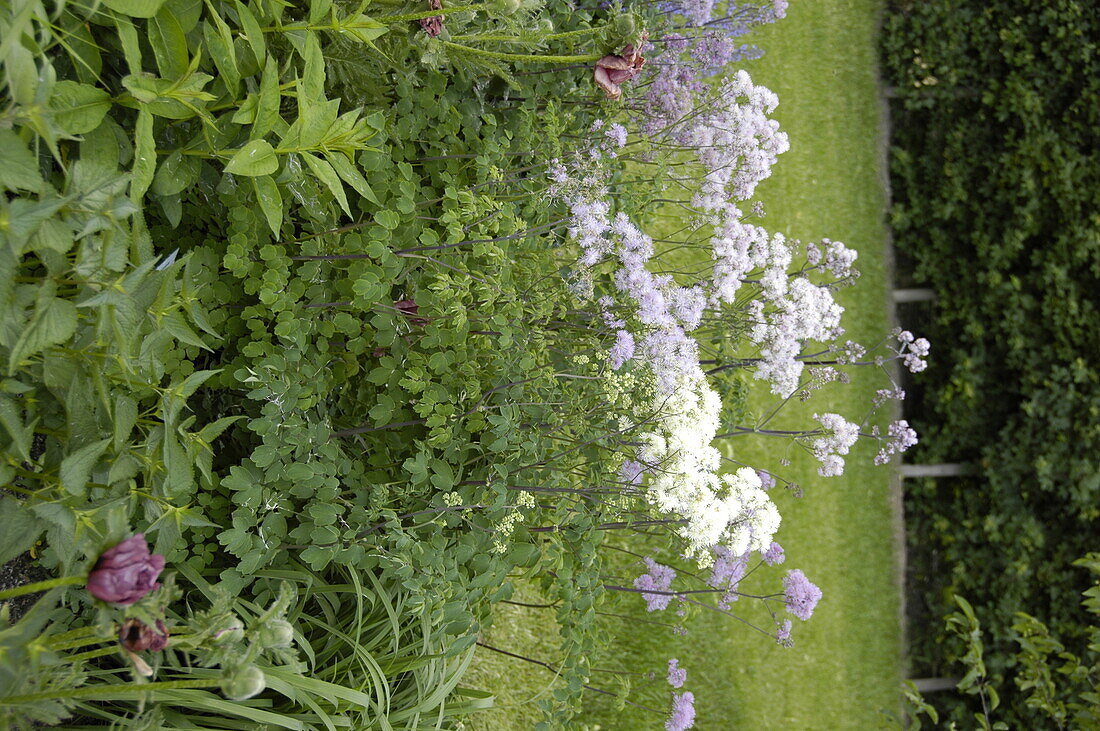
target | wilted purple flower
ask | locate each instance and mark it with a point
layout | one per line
(433, 25)
(676, 674)
(613, 70)
(683, 712)
(126, 572)
(657, 578)
(774, 555)
(801, 596)
(136, 636)
(783, 632)
(411, 310)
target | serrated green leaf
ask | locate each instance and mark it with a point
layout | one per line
(174, 323)
(267, 101)
(176, 173)
(21, 435)
(329, 177)
(135, 8)
(253, 32)
(54, 321)
(318, 9)
(313, 73)
(18, 166)
(255, 158)
(179, 469)
(78, 108)
(145, 155)
(125, 416)
(365, 29)
(77, 467)
(270, 200)
(20, 218)
(169, 44)
(219, 44)
(21, 73)
(213, 430)
(21, 529)
(351, 175)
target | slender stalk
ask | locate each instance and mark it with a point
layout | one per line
(519, 57)
(109, 691)
(42, 586)
(557, 671)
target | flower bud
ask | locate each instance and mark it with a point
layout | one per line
(276, 633)
(507, 7)
(245, 683)
(231, 631)
(626, 25)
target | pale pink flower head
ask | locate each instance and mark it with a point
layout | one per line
(613, 70)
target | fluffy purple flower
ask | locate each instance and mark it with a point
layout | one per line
(126, 572)
(783, 632)
(617, 134)
(683, 712)
(657, 578)
(726, 573)
(622, 350)
(676, 674)
(774, 555)
(767, 479)
(801, 596)
(632, 472)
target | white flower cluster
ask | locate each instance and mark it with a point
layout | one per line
(912, 350)
(901, 438)
(829, 449)
(731, 510)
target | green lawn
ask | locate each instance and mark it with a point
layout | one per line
(844, 669)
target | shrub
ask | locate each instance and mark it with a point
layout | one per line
(994, 174)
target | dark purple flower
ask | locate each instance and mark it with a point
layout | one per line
(136, 636)
(126, 572)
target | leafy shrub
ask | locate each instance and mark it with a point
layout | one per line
(994, 174)
(310, 298)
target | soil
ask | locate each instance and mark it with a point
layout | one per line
(17, 572)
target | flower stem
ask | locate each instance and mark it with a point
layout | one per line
(108, 692)
(428, 13)
(533, 58)
(41, 586)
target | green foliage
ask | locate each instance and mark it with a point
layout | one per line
(210, 214)
(994, 174)
(1058, 686)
